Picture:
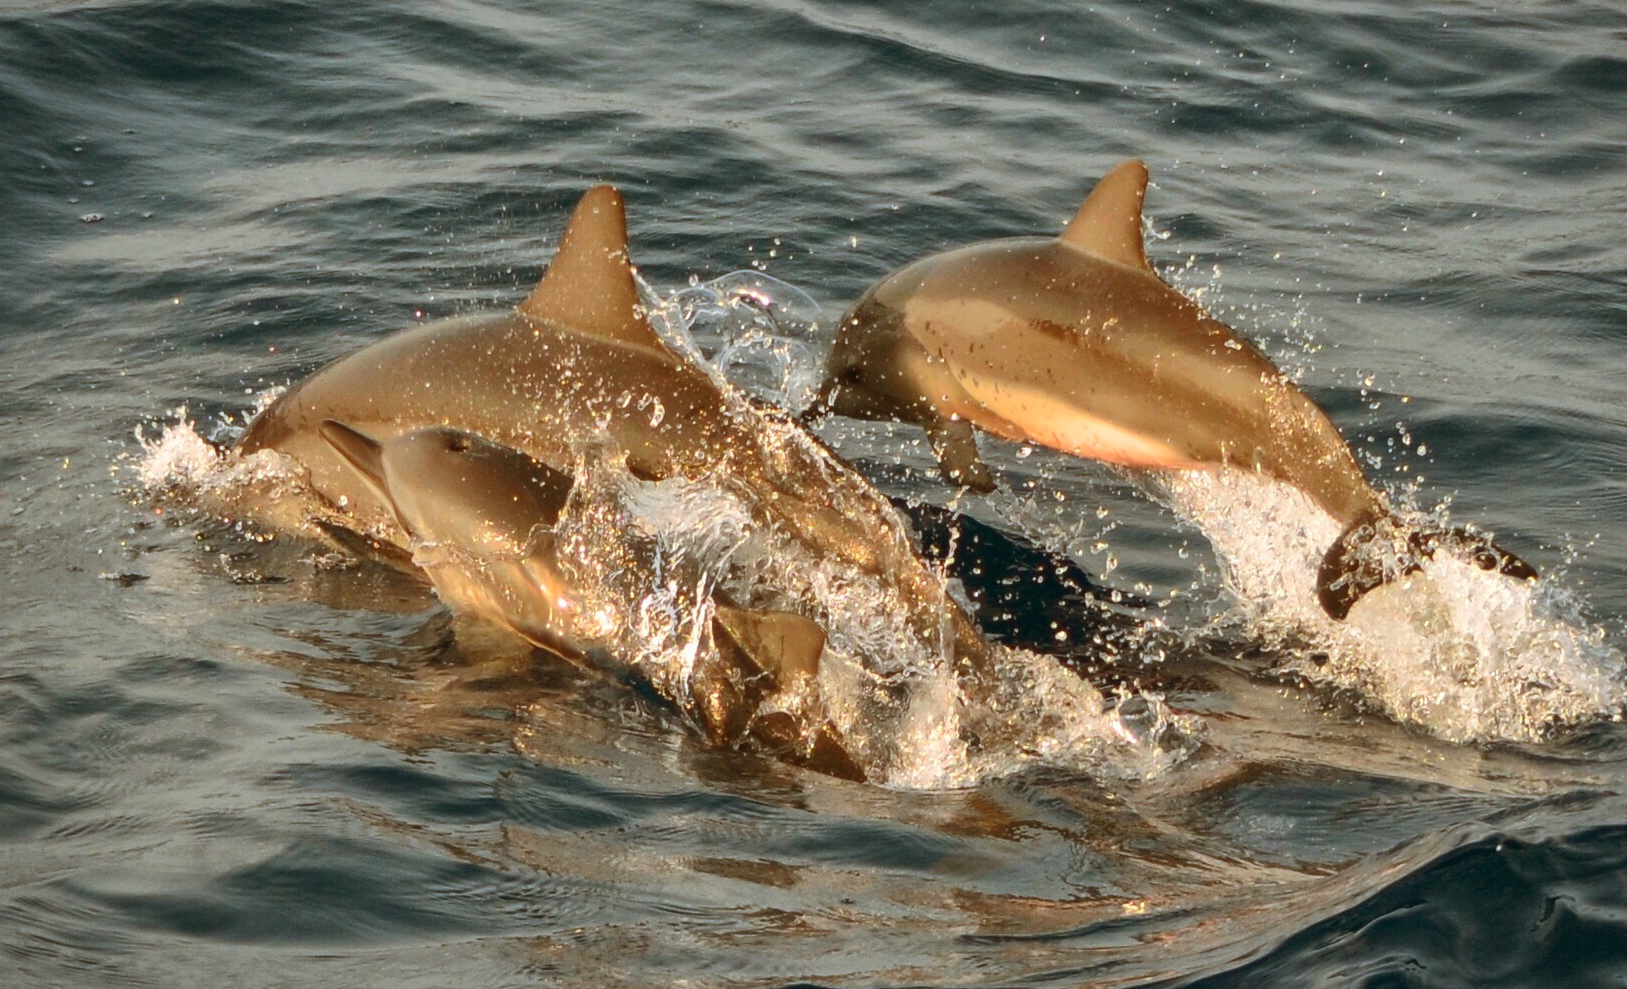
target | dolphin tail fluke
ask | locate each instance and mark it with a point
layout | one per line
(954, 443)
(1374, 552)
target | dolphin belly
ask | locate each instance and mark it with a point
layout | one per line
(1024, 413)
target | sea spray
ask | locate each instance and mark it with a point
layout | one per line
(1464, 653)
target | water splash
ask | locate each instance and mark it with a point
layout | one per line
(178, 456)
(902, 711)
(1463, 653)
(760, 334)
(178, 465)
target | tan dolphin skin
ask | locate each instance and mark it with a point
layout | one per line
(482, 518)
(486, 514)
(1074, 343)
(577, 366)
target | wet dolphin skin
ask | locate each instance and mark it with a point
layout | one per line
(1074, 343)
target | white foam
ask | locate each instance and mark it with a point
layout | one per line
(177, 457)
(180, 466)
(1466, 654)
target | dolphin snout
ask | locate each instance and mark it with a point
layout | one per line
(360, 450)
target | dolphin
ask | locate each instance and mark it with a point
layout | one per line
(577, 371)
(1074, 343)
(481, 518)
(577, 365)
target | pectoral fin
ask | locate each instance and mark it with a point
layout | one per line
(954, 443)
(361, 545)
(785, 649)
(757, 653)
(727, 689)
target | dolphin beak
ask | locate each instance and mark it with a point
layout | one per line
(359, 450)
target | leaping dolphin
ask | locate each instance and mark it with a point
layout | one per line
(578, 367)
(482, 519)
(1074, 343)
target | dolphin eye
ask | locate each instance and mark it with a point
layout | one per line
(458, 444)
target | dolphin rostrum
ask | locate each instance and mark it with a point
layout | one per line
(481, 518)
(1074, 343)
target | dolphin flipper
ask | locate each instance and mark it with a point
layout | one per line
(954, 443)
(782, 644)
(786, 648)
(363, 546)
(758, 652)
(1353, 566)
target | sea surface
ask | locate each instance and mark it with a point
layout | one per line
(225, 761)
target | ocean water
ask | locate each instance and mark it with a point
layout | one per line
(227, 760)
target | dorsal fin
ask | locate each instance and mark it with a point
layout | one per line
(589, 284)
(1108, 225)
